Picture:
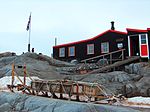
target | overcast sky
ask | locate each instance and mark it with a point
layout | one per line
(68, 20)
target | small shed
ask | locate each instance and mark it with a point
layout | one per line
(138, 42)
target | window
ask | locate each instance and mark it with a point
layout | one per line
(90, 49)
(120, 45)
(71, 51)
(62, 52)
(143, 39)
(105, 47)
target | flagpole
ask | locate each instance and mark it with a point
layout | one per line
(29, 43)
(29, 34)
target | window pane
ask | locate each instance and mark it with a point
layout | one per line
(143, 39)
(72, 51)
(105, 47)
(90, 49)
(120, 45)
(62, 52)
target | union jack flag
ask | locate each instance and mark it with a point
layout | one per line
(29, 22)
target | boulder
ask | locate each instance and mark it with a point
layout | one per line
(143, 86)
(133, 68)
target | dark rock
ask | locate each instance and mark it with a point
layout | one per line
(143, 86)
(6, 107)
(40, 104)
(7, 54)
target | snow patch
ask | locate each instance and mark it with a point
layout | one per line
(7, 80)
(144, 100)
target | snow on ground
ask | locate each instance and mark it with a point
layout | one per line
(142, 102)
(7, 80)
(145, 100)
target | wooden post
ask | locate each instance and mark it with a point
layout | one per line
(25, 73)
(111, 58)
(96, 98)
(13, 74)
(122, 54)
(70, 92)
(61, 90)
(77, 89)
(103, 60)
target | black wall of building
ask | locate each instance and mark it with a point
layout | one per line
(81, 48)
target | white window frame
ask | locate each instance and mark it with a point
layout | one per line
(106, 49)
(62, 52)
(90, 48)
(140, 43)
(71, 53)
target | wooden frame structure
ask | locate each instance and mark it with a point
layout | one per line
(23, 87)
(62, 89)
(67, 88)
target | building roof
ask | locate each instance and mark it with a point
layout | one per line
(77, 42)
(148, 29)
(136, 30)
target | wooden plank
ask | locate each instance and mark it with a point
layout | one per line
(110, 53)
(117, 64)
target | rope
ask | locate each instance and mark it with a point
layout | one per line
(104, 92)
(107, 89)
